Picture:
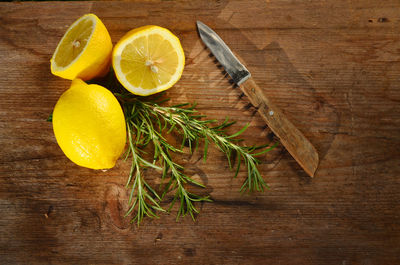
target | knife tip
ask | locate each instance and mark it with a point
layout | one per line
(200, 25)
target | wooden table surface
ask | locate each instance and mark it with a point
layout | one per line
(333, 67)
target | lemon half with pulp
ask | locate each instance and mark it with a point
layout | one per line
(84, 51)
(148, 60)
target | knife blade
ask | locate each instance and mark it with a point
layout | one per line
(292, 138)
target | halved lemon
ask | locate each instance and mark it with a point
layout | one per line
(148, 60)
(84, 51)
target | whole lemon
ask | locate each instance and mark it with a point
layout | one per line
(89, 125)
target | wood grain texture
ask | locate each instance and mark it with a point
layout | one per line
(333, 67)
(289, 136)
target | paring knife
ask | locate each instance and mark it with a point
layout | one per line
(294, 141)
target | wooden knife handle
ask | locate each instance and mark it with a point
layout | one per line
(293, 140)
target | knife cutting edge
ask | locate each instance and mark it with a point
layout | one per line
(294, 141)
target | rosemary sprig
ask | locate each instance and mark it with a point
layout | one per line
(145, 197)
(141, 122)
(146, 122)
(195, 130)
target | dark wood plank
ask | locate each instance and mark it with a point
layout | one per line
(333, 67)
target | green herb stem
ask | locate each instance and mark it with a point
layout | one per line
(147, 121)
